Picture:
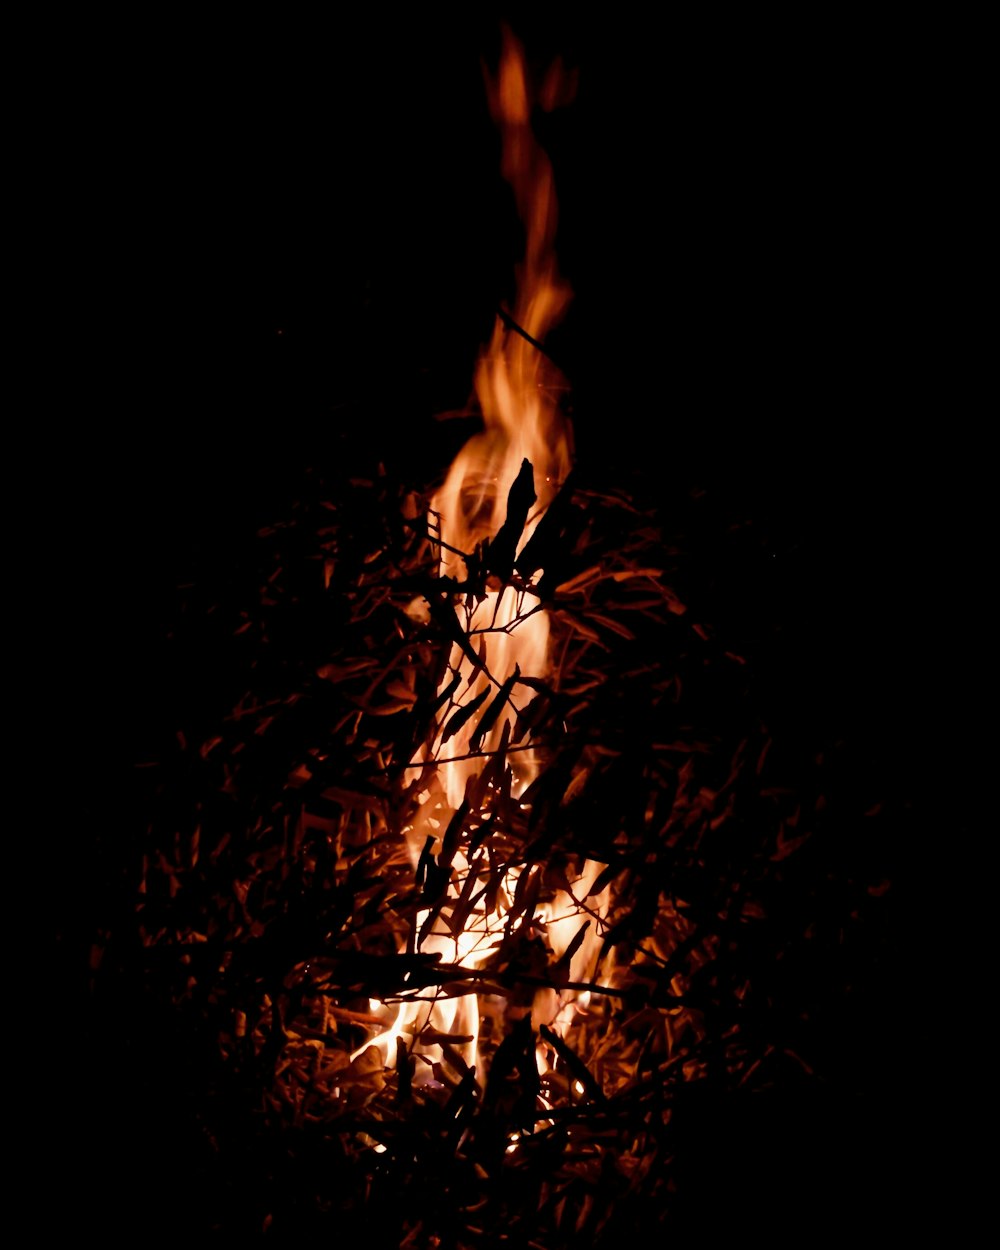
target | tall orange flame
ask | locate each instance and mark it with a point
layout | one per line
(516, 384)
(518, 389)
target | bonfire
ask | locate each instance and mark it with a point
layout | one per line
(492, 887)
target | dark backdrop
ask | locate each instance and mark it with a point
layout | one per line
(267, 244)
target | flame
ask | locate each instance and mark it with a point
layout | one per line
(516, 384)
(518, 389)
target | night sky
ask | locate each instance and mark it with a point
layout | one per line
(273, 244)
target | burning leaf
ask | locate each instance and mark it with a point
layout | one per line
(430, 1034)
(495, 774)
(452, 834)
(528, 718)
(464, 714)
(581, 581)
(500, 554)
(552, 540)
(404, 693)
(489, 717)
(422, 863)
(404, 1071)
(616, 627)
(578, 1068)
(566, 958)
(444, 613)
(446, 693)
(512, 1085)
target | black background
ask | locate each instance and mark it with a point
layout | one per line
(264, 243)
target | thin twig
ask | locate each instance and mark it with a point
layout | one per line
(511, 324)
(472, 755)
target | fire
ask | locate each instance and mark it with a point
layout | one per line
(516, 464)
(382, 908)
(516, 384)
(518, 390)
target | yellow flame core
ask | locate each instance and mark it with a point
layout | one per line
(518, 389)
